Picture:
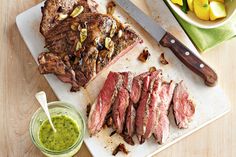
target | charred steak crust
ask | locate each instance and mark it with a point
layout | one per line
(89, 57)
(53, 8)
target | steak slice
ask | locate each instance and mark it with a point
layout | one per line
(119, 109)
(60, 66)
(54, 8)
(122, 102)
(184, 108)
(130, 120)
(166, 95)
(161, 127)
(128, 80)
(144, 111)
(152, 108)
(103, 102)
(137, 87)
(90, 56)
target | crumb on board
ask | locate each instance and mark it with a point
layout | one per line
(120, 147)
(163, 59)
(112, 133)
(88, 109)
(152, 69)
(144, 55)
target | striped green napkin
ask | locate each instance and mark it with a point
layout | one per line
(208, 38)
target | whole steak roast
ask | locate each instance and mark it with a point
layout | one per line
(83, 41)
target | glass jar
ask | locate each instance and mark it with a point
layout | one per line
(57, 108)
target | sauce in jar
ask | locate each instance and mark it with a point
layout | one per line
(66, 135)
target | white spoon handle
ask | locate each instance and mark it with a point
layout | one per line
(42, 99)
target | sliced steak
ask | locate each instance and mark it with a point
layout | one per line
(130, 120)
(128, 80)
(152, 108)
(121, 103)
(119, 109)
(137, 87)
(184, 108)
(129, 129)
(144, 112)
(104, 101)
(53, 9)
(166, 95)
(93, 41)
(161, 127)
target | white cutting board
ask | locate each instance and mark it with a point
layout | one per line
(211, 103)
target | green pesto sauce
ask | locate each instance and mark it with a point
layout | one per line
(66, 135)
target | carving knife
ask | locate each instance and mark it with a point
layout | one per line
(167, 40)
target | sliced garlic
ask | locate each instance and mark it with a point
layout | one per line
(96, 41)
(109, 44)
(120, 33)
(113, 29)
(78, 10)
(78, 46)
(62, 16)
(83, 34)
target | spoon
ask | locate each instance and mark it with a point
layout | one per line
(42, 99)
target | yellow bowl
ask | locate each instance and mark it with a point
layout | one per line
(191, 18)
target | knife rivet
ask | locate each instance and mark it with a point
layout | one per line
(187, 53)
(172, 41)
(202, 65)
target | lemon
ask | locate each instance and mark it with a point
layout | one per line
(179, 2)
(201, 9)
(190, 4)
(217, 10)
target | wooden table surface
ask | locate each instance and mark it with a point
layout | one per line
(20, 80)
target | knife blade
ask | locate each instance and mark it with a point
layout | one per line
(167, 40)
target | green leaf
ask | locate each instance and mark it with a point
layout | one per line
(185, 8)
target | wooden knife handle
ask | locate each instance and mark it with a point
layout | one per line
(189, 59)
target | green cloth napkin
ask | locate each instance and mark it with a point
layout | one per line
(208, 38)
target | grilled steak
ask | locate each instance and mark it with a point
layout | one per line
(92, 41)
(122, 102)
(52, 63)
(103, 103)
(149, 116)
(55, 11)
(184, 108)
(161, 127)
(145, 110)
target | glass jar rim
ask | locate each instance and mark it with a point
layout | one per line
(48, 151)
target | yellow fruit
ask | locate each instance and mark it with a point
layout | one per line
(217, 10)
(190, 4)
(201, 9)
(179, 2)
